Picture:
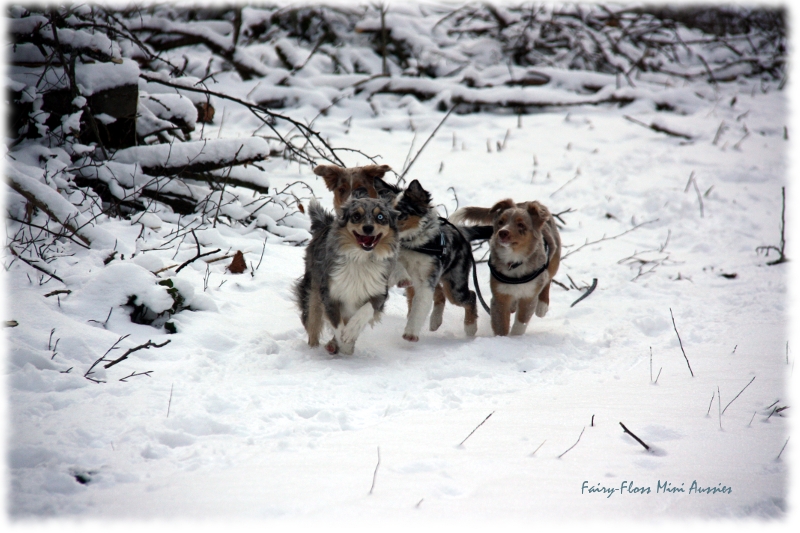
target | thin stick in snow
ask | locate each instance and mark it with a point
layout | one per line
(640, 441)
(658, 375)
(713, 394)
(719, 407)
(740, 392)
(375, 474)
(169, 403)
(751, 419)
(680, 342)
(419, 503)
(537, 449)
(784, 447)
(476, 428)
(576, 443)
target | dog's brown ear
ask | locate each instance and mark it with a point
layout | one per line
(501, 206)
(375, 171)
(539, 214)
(330, 173)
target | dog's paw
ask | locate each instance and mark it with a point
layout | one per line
(471, 329)
(332, 347)
(410, 337)
(518, 328)
(404, 283)
(541, 309)
(436, 321)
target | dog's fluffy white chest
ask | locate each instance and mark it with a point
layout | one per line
(354, 283)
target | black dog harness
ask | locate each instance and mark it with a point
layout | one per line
(502, 278)
(437, 247)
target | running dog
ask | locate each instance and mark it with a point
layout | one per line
(367, 180)
(347, 268)
(525, 253)
(437, 259)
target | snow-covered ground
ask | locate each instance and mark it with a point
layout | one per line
(239, 419)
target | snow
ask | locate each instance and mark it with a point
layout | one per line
(238, 419)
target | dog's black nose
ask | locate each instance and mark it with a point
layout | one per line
(367, 229)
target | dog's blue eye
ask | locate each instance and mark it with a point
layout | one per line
(380, 217)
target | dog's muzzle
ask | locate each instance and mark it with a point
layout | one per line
(367, 242)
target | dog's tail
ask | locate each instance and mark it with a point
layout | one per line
(474, 215)
(320, 218)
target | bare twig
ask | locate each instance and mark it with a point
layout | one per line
(476, 428)
(169, 403)
(576, 443)
(537, 449)
(780, 249)
(604, 238)
(629, 432)
(134, 374)
(680, 342)
(146, 346)
(196, 257)
(375, 474)
(784, 447)
(740, 392)
(426, 142)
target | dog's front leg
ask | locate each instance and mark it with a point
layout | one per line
(420, 308)
(399, 276)
(525, 308)
(350, 332)
(501, 313)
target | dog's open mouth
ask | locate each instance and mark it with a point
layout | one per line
(367, 242)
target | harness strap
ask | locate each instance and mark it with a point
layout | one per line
(437, 246)
(502, 278)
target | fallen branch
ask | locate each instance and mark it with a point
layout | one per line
(271, 116)
(661, 129)
(476, 428)
(34, 265)
(629, 432)
(59, 291)
(146, 346)
(680, 342)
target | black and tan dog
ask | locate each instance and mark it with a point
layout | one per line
(525, 253)
(348, 264)
(367, 180)
(437, 259)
